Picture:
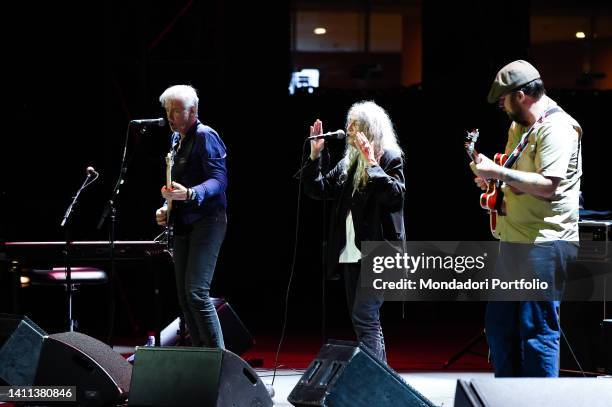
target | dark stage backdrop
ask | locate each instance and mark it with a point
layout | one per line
(83, 74)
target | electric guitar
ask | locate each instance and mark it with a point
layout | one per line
(169, 217)
(492, 199)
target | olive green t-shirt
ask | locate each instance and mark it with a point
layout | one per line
(553, 151)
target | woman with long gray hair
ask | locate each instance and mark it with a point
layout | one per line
(367, 187)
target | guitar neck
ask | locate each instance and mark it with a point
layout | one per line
(168, 177)
(169, 165)
(473, 154)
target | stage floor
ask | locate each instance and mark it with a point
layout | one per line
(418, 357)
(422, 370)
(438, 387)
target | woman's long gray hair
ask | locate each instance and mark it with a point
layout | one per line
(373, 121)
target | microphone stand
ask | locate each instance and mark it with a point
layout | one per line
(111, 209)
(324, 166)
(298, 175)
(65, 224)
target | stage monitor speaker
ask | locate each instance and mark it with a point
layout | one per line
(344, 374)
(595, 240)
(236, 336)
(583, 345)
(20, 345)
(177, 376)
(101, 375)
(512, 392)
(606, 327)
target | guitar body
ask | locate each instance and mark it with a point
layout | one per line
(493, 223)
(492, 199)
(488, 199)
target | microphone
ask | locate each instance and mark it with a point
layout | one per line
(335, 135)
(91, 171)
(149, 122)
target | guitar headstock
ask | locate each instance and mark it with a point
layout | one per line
(169, 165)
(170, 159)
(470, 141)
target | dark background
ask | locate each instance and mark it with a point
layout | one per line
(78, 74)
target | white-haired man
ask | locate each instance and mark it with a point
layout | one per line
(199, 202)
(367, 186)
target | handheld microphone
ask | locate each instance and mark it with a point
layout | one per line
(149, 122)
(91, 171)
(335, 135)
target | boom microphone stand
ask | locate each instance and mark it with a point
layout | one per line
(65, 222)
(298, 175)
(324, 167)
(111, 209)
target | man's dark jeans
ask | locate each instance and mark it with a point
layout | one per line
(524, 337)
(195, 257)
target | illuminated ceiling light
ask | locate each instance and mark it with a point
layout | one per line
(580, 34)
(320, 30)
(25, 281)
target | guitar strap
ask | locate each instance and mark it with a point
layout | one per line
(182, 156)
(518, 150)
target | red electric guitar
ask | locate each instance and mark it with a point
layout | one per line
(492, 199)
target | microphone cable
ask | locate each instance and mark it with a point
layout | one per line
(112, 306)
(569, 346)
(292, 269)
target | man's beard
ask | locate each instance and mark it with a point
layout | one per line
(519, 117)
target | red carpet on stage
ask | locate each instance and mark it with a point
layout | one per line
(426, 349)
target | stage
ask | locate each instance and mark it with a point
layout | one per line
(438, 387)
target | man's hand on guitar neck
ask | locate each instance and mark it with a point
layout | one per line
(485, 168)
(177, 193)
